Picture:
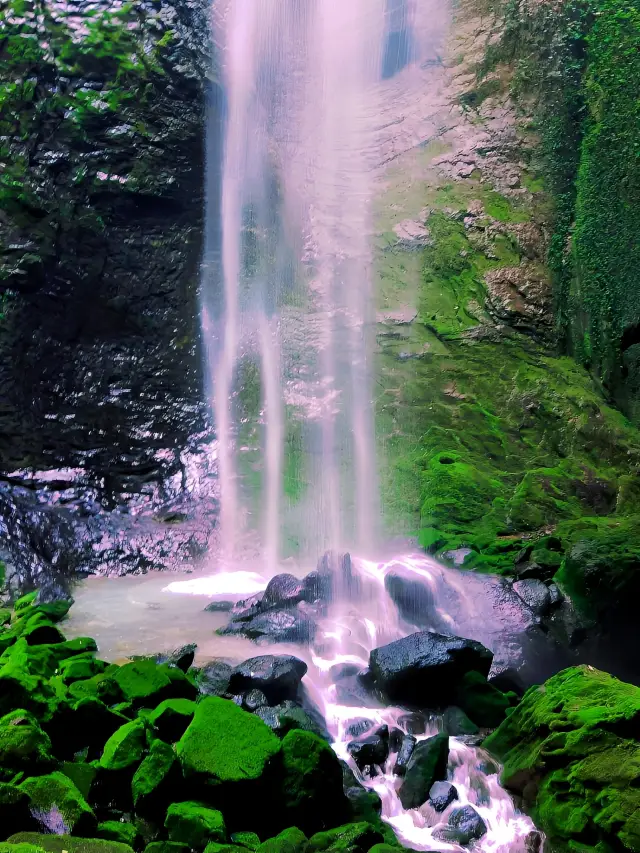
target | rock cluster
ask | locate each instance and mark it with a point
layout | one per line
(102, 758)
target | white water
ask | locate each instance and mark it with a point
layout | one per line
(305, 96)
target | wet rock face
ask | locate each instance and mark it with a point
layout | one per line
(277, 676)
(422, 670)
(99, 369)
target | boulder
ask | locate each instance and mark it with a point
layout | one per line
(181, 658)
(81, 774)
(403, 757)
(23, 745)
(312, 795)
(292, 625)
(282, 591)
(146, 683)
(535, 595)
(213, 678)
(350, 838)
(67, 844)
(441, 795)
(369, 751)
(277, 676)
(249, 840)
(456, 723)
(571, 750)
(465, 825)
(195, 824)
(58, 806)
(171, 718)
(423, 669)
(428, 764)
(414, 600)
(155, 780)
(125, 747)
(481, 701)
(291, 840)
(117, 830)
(224, 745)
(288, 715)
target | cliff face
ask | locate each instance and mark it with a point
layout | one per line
(101, 187)
(102, 110)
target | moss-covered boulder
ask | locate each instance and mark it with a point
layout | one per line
(250, 840)
(312, 792)
(171, 718)
(291, 840)
(483, 703)
(58, 805)
(68, 844)
(166, 847)
(195, 824)
(23, 745)
(571, 749)
(225, 745)
(350, 838)
(118, 830)
(125, 747)
(146, 683)
(154, 781)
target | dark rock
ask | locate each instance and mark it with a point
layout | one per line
(277, 676)
(456, 722)
(213, 678)
(282, 591)
(535, 595)
(465, 825)
(219, 607)
(369, 751)
(404, 755)
(383, 732)
(441, 795)
(413, 724)
(506, 678)
(354, 691)
(396, 736)
(278, 626)
(254, 699)
(427, 765)
(424, 668)
(414, 600)
(533, 842)
(247, 608)
(182, 657)
(289, 715)
(555, 596)
(318, 587)
(481, 701)
(343, 670)
(359, 727)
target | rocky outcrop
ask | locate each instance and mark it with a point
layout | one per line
(102, 125)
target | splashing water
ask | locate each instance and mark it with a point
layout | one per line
(287, 292)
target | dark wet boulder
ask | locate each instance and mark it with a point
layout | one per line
(311, 797)
(359, 727)
(369, 751)
(427, 765)
(182, 658)
(457, 723)
(350, 838)
(405, 752)
(441, 795)
(413, 598)
(212, 679)
(254, 699)
(318, 587)
(282, 591)
(219, 607)
(535, 595)
(288, 715)
(423, 669)
(278, 626)
(414, 723)
(465, 825)
(277, 676)
(506, 677)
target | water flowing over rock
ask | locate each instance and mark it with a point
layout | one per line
(277, 676)
(427, 765)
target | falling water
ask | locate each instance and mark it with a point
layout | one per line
(288, 292)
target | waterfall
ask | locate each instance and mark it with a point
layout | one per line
(291, 294)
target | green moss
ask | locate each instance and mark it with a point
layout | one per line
(166, 847)
(312, 791)
(67, 844)
(117, 830)
(125, 747)
(172, 717)
(59, 804)
(291, 840)
(195, 824)
(351, 838)
(226, 744)
(246, 839)
(569, 747)
(23, 744)
(151, 784)
(81, 774)
(481, 701)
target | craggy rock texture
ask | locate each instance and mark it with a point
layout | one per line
(101, 189)
(571, 750)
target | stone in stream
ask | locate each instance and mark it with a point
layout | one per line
(213, 678)
(282, 591)
(219, 607)
(254, 699)
(404, 755)
(427, 765)
(277, 676)
(413, 724)
(535, 595)
(289, 715)
(423, 669)
(465, 825)
(369, 751)
(292, 625)
(441, 795)
(457, 723)
(359, 727)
